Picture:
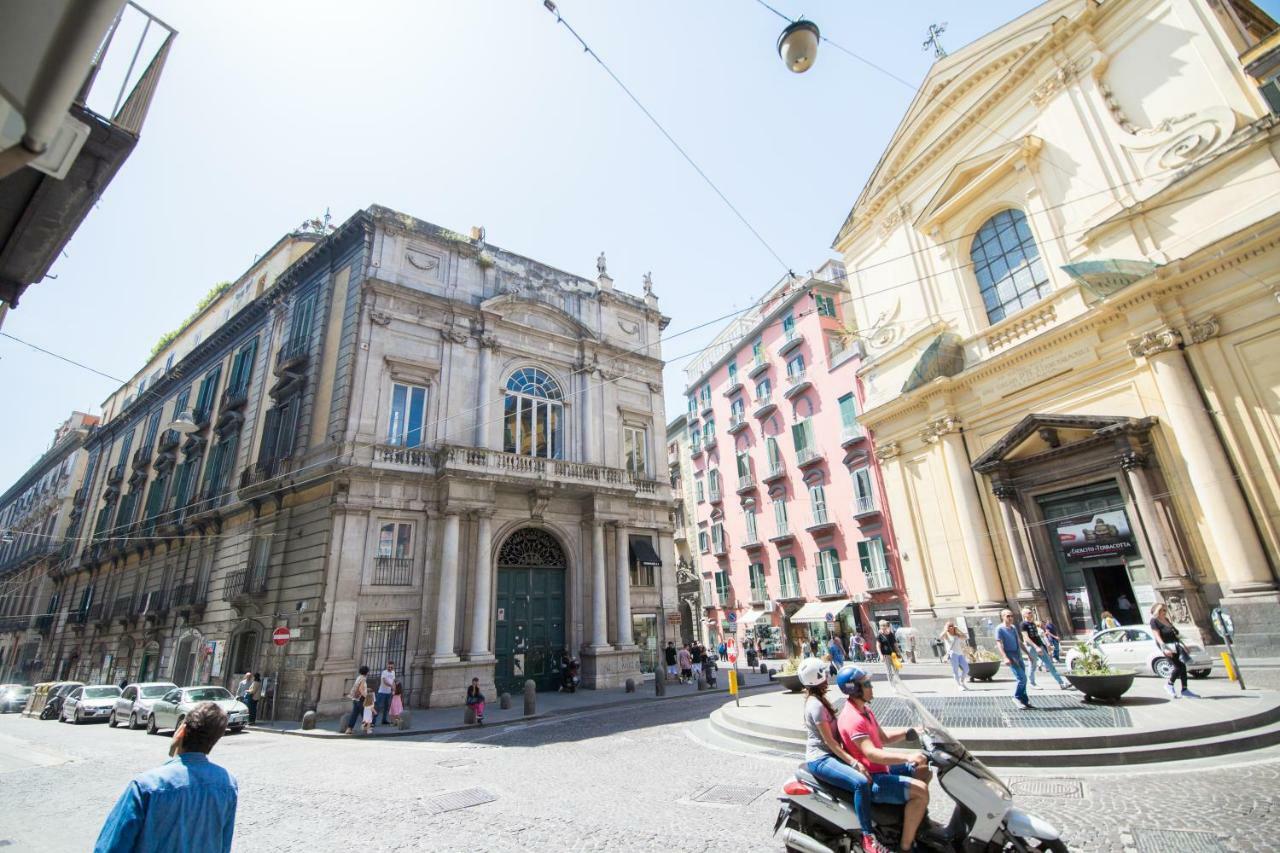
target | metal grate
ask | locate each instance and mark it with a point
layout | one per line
(464, 799)
(384, 641)
(999, 712)
(455, 762)
(1066, 788)
(729, 795)
(1184, 841)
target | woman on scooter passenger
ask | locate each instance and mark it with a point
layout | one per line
(823, 754)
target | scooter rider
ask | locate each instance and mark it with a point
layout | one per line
(897, 776)
(824, 755)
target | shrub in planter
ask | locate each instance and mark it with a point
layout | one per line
(788, 678)
(1097, 679)
(983, 664)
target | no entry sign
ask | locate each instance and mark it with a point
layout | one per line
(280, 636)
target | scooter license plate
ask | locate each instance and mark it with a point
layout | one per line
(783, 814)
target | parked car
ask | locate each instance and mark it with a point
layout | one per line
(88, 703)
(57, 695)
(134, 703)
(39, 696)
(13, 697)
(1136, 647)
(168, 711)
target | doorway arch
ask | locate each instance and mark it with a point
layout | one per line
(184, 662)
(244, 654)
(530, 612)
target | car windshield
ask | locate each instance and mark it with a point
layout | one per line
(207, 694)
(101, 692)
(152, 691)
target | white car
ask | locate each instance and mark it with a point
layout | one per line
(169, 710)
(1135, 647)
(134, 705)
(90, 702)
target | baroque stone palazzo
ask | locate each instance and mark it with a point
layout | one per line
(1065, 269)
(401, 443)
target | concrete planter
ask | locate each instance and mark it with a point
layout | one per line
(791, 682)
(983, 670)
(1105, 688)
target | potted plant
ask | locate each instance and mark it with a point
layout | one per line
(1097, 679)
(788, 677)
(983, 664)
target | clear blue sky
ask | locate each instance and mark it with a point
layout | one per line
(474, 113)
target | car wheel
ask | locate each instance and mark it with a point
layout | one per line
(112, 722)
(76, 718)
(151, 725)
(1162, 667)
(1201, 673)
(237, 729)
(133, 720)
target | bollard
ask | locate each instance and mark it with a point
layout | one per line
(504, 701)
(530, 698)
(764, 669)
(308, 721)
(469, 715)
(659, 685)
(630, 685)
(406, 720)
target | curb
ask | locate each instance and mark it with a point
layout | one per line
(329, 734)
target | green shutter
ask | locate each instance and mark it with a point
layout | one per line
(848, 410)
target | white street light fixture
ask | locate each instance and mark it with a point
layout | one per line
(184, 423)
(798, 45)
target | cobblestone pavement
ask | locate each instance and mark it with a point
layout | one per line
(604, 780)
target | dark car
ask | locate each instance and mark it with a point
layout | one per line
(58, 694)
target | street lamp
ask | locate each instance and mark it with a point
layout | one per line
(184, 423)
(798, 45)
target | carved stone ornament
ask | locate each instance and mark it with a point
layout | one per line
(1132, 460)
(490, 342)
(884, 331)
(1178, 609)
(887, 450)
(1173, 142)
(936, 429)
(379, 318)
(453, 330)
(538, 500)
(1154, 343)
(1058, 81)
(1004, 492)
(421, 259)
(632, 329)
(1202, 330)
(894, 219)
(529, 546)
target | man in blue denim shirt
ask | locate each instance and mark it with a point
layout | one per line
(187, 805)
(1011, 648)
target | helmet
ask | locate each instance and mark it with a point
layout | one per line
(812, 672)
(850, 680)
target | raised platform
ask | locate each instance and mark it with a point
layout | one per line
(1061, 731)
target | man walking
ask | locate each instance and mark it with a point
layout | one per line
(386, 688)
(669, 654)
(1037, 649)
(836, 651)
(685, 660)
(1010, 643)
(187, 804)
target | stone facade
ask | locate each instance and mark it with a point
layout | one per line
(1065, 269)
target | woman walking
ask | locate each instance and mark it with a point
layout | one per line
(953, 643)
(358, 691)
(825, 757)
(1171, 644)
(255, 695)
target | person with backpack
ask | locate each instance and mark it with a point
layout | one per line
(359, 690)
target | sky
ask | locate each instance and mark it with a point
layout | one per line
(476, 112)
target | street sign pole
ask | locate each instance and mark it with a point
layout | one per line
(1223, 624)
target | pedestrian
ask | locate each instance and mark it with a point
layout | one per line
(722, 650)
(859, 648)
(187, 804)
(1124, 609)
(357, 694)
(1010, 643)
(397, 704)
(369, 711)
(1108, 621)
(1170, 640)
(476, 700)
(1037, 649)
(386, 688)
(953, 643)
(906, 642)
(699, 657)
(813, 647)
(836, 651)
(824, 755)
(887, 641)
(684, 659)
(669, 653)
(1051, 634)
(709, 668)
(242, 690)
(255, 695)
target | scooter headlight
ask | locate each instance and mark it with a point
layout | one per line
(998, 788)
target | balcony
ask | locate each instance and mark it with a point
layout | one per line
(830, 587)
(796, 383)
(782, 535)
(151, 605)
(115, 475)
(851, 434)
(715, 495)
(752, 542)
(190, 596)
(141, 458)
(245, 583)
(78, 618)
(234, 399)
(877, 579)
(392, 571)
(734, 387)
(122, 609)
(746, 483)
(169, 440)
(99, 614)
(719, 548)
(864, 505)
(293, 354)
(724, 598)
(707, 409)
(737, 423)
(764, 406)
(44, 623)
(792, 340)
(680, 534)
(790, 589)
(777, 470)
(807, 456)
(822, 520)
(759, 595)
(758, 366)
(709, 441)
(695, 449)
(10, 624)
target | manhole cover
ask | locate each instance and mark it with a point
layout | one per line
(461, 800)
(999, 712)
(1182, 840)
(455, 762)
(729, 795)
(1073, 788)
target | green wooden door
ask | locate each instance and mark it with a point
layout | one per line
(530, 627)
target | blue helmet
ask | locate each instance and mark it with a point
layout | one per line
(850, 680)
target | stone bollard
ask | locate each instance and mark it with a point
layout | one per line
(406, 721)
(504, 701)
(702, 681)
(469, 715)
(308, 721)
(659, 685)
(530, 698)
(764, 669)
(630, 685)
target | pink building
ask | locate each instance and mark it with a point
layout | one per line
(793, 538)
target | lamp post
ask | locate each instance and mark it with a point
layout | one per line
(798, 45)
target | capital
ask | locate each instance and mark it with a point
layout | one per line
(1202, 330)
(939, 427)
(887, 450)
(1004, 491)
(1154, 343)
(1132, 460)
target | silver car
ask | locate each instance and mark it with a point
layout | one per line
(168, 711)
(13, 697)
(134, 705)
(91, 702)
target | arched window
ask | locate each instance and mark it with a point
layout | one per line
(533, 424)
(1007, 263)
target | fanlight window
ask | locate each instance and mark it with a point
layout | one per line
(533, 420)
(1007, 264)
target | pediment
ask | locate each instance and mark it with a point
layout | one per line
(970, 178)
(1039, 435)
(536, 314)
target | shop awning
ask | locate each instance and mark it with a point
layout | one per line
(818, 611)
(642, 550)
(755, 617)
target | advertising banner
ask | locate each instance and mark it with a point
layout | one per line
(1102, 534)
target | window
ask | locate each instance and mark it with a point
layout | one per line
(750, 516)
(788, 577)
(533, 422)
(221, 458)
(125, 445)
(757, 351)
(763, 389)
(835, 347)
(695, 440)
(828, 563)
(153, 426)
(709, 432)
(733, 373)
(393, 563)
(802, 435)
(642, 572)
(774, 454)
(874, 568)
(863, 497)
(717, 537)
(304, 308)
(789, 326)
(705, 394)
(208, 391)
(759, 587)
(634, 442)
(818, 504)
(744, 465)
(737, 410)
(780, 517)
(408, 411)
(384, 641)
(722, 588)
(278, 433)
(795, 366)
(848, 411)
(1007, 264)
(693, 407)
(826, 305)
(242, 369)
(713, 484)
(704, 544)
(697, 485)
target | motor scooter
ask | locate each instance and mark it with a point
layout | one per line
(818, 818)
(569, 678)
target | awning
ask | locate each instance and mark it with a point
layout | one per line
(755, 617)
(642, 551)
(818, 611)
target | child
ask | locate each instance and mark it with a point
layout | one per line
(397, 704)
(476, 699)
(368, 713)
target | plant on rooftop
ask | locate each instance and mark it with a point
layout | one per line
(205, 301)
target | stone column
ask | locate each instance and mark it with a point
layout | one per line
(447, 603)
(587, 421)
(1135, 468)
(599, 589)
(1027, 581)
(973, 525)
(484, 409)
(623, 589)
(478, 647)
(1228, 522)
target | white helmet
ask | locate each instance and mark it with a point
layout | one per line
(812, 672)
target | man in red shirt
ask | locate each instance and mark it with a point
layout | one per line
(897, 776)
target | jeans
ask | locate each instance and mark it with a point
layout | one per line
(1019, 671)
(1047, 660)
(959, 668)
(357, 712)
(833, 771)
(381, 705)
(253, 707)
(1057, 650)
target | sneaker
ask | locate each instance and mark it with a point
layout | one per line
(869, 844)
(1186, 691)
(1169, 689)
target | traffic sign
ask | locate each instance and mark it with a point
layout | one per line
(731, 647)
(280, 636)
(1223, 624)
(732, 617)
(831, 617)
